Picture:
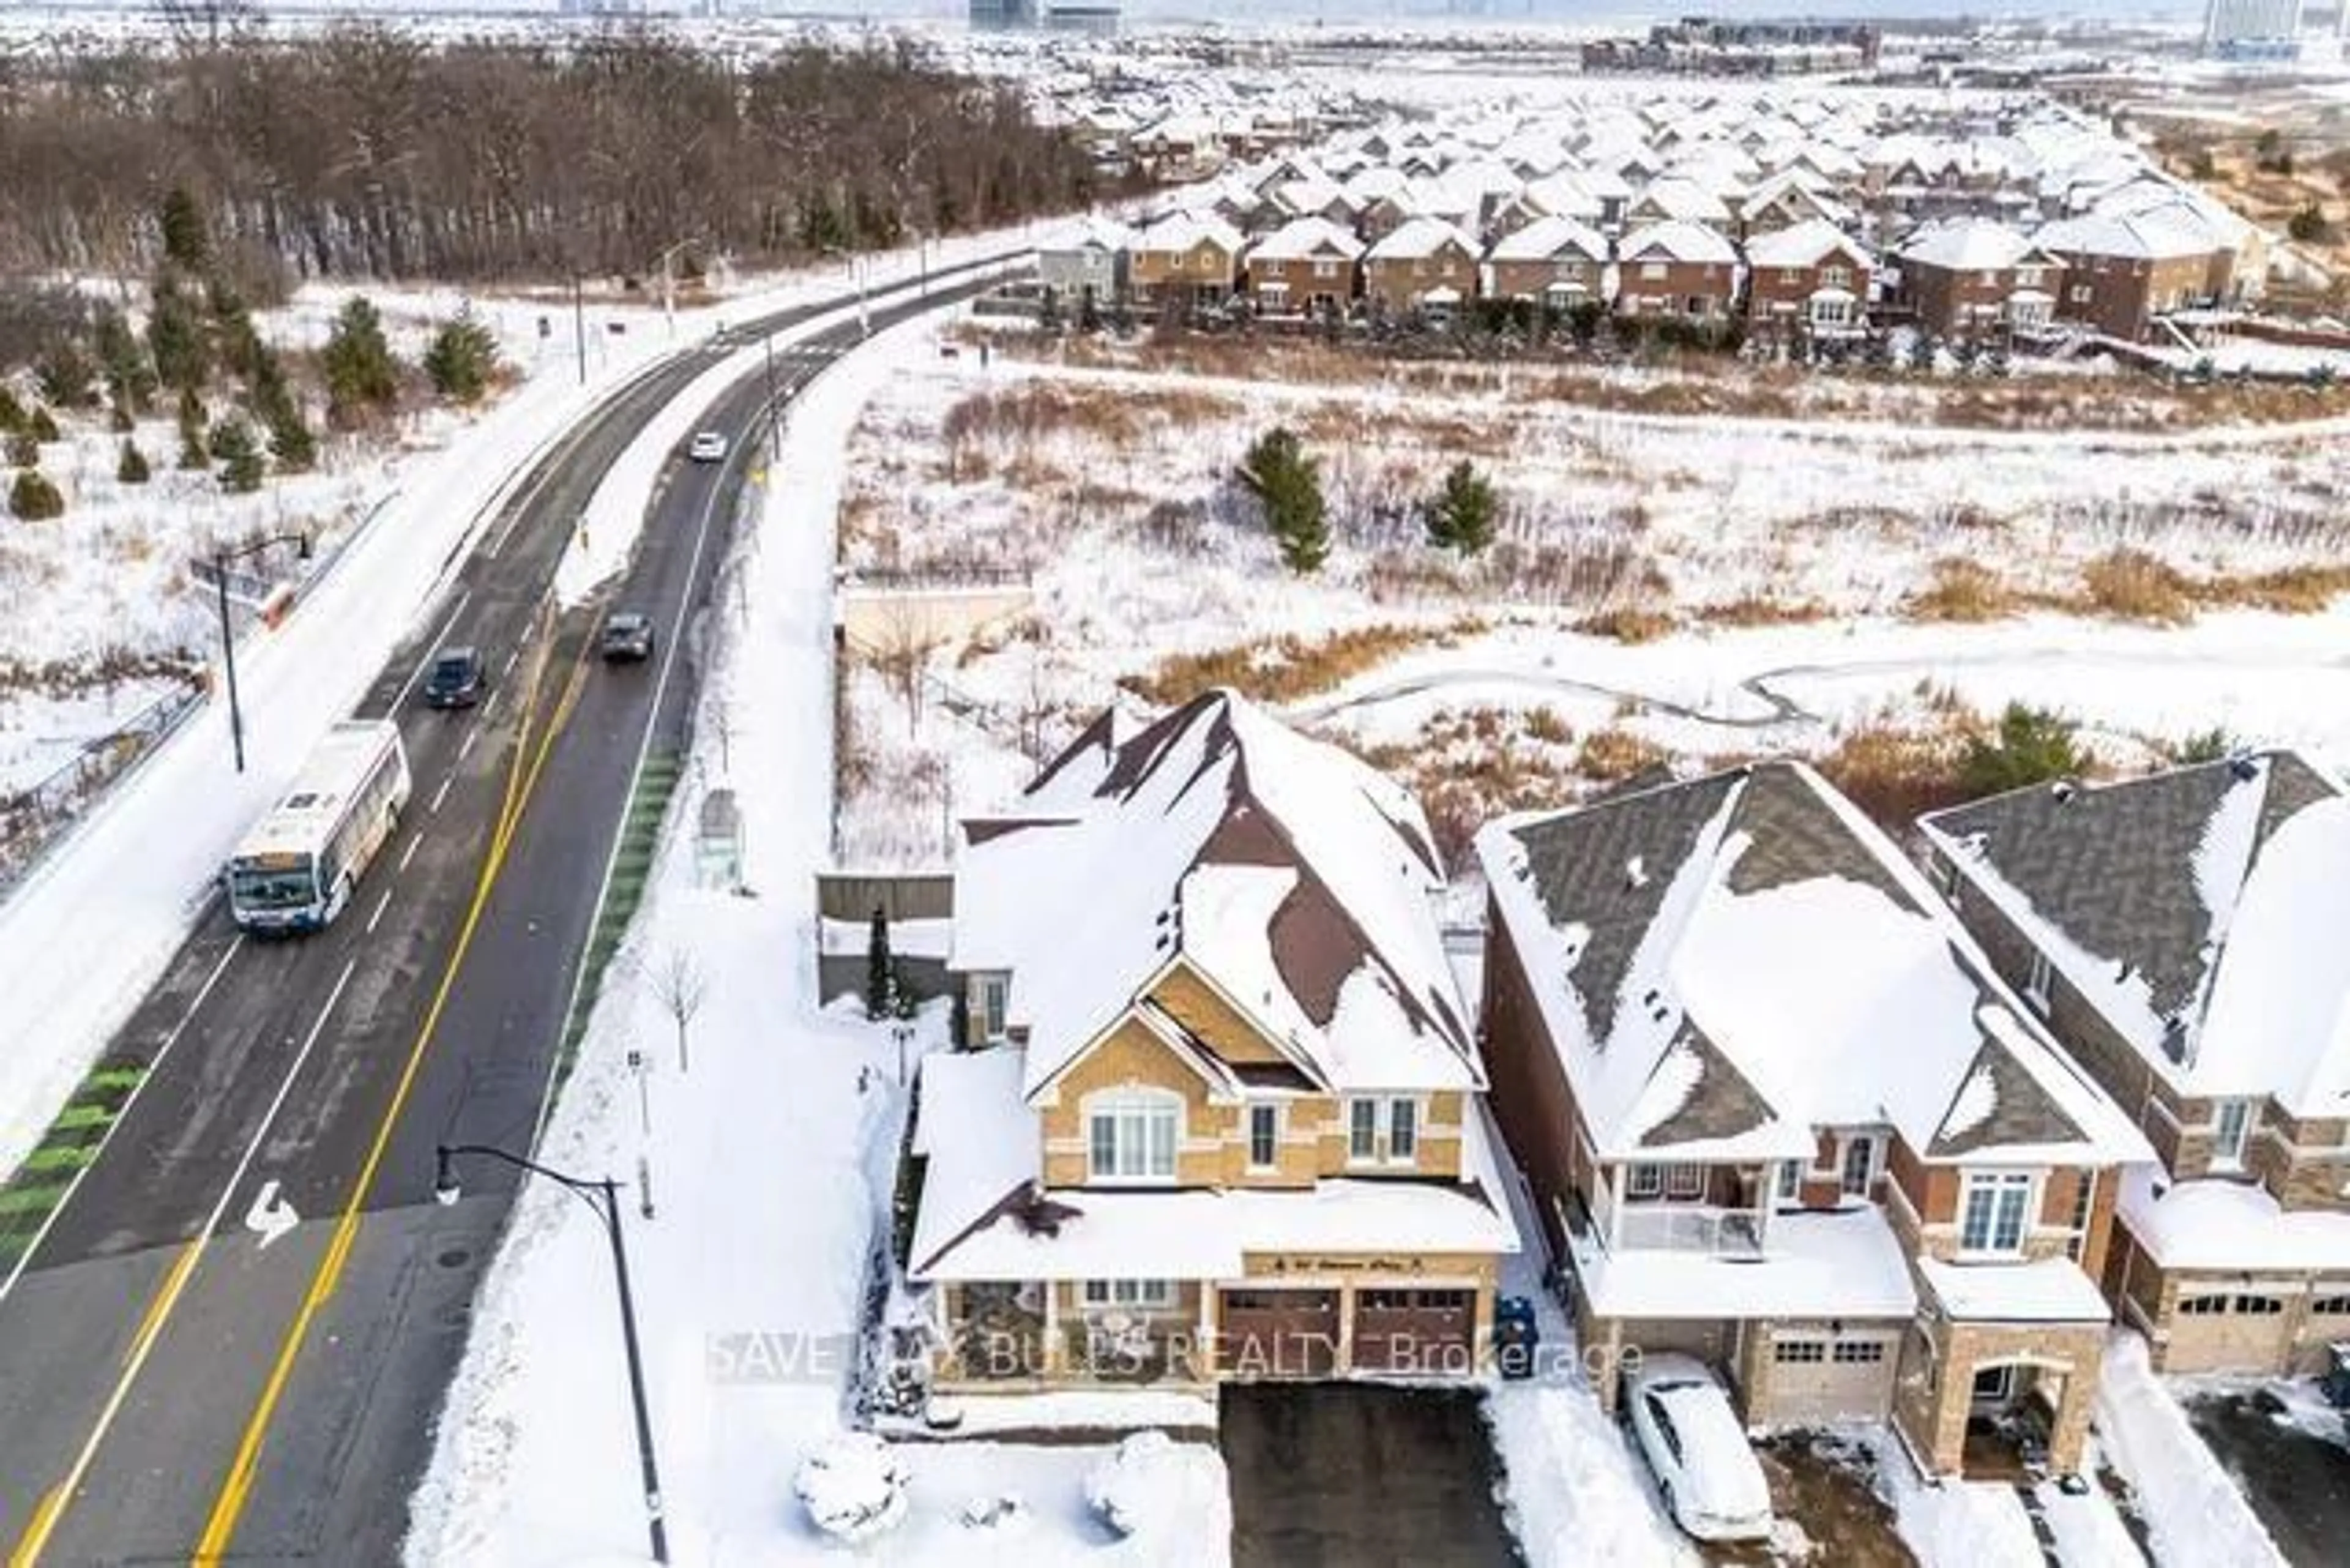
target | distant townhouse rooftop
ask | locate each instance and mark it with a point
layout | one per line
(1675, 240)
(2200, 911)
(1302, 239)
(1723, 964)
(1421, 236)
(1547, 238)
(2157, 233)
(1806, 244)
(1968, 244)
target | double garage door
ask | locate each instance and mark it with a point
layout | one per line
(1817, 1377)
(2228, 1330)
(1295, 1333)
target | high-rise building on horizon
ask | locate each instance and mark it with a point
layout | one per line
(2260, 29)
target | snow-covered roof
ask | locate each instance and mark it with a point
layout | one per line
(1838, 1263)
(1681, 199)
(979, 1137)
(2229, 1225)
(1677, 241)
(1548, 239)
(1968, 244)
(2198, 912)
(2047, 1290)
(1420, 237)
(1303, 239)
(2157, 234)
(1092, 232)
(1283, 871)
(1183, 230)
(1807, 243)
(1720, 963)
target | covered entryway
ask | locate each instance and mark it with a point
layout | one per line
(2242, 1328)
(1424, 1333)
(1277, 1333)
(1818, 1377)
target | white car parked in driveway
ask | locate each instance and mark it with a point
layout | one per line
(1712, 1483)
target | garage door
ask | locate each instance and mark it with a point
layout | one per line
(1278, 1334)
(1426, 1333)
(2226, 1331)
(1818, 1377)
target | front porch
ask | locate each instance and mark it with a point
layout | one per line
(1004, 1335)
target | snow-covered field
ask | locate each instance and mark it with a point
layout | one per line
(782, 1100)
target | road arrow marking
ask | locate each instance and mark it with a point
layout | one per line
(270, 1215)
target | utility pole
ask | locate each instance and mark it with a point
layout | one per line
(579, 325)
(775, 406)
(228, 659)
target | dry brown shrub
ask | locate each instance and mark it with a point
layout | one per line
(2289, 590)
(1628, 623)
(1280, 668)
(2130, 584)
(1615, 753)
(1762, 610)
(1897, 772)
(1961, 590)
(1545, 725)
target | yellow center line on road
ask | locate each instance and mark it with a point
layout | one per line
(220, 1528)
(51, 1510)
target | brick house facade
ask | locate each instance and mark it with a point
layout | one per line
(1677, 269)
(2234, 1253)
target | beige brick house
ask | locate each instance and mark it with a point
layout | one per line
(1189, 258)
(2182, 935)
(1553, 261)
(1218, 1113)
(1776, 1110)
(1424, 263)
(1307, 265)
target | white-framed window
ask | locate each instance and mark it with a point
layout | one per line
(1994, 1212)
(1685, 1181)
(2085, 1192)
(2038, 980)
(2231, 1131)
(1860, 1164)
(1129, 1293)
(1403, 1131)
(1831, 312)
(1645, 1180)
(1834, 276)
(1362, 1129)
(1324, 267)
(994, 991)
(1990, 280)
(1264, 1137)
(1791, 1179)
(1651, 272)
(2081, 292)
(1130, 1134)
(2030, 277)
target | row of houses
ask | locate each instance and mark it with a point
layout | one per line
(1754, 217)
(1885, 1139)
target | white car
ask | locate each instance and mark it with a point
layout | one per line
(1713, 1484)
(709, 446)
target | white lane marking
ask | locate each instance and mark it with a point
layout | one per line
(408, 855)
(154, 1066)
(270, 1215)
(465, 747)
(379, 906)
(512, 658)
(400, 700)
(489, 706)
(142, 1348)
(440, 794)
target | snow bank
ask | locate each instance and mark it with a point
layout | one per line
(2195, 1513)
(854, 1487)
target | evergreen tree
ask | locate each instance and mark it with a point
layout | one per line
(34, 498)
(2032, 746)
(132, 467)
(462, 359)
(194, 451)
(12, 413)
(880, 975)
(290, 440)
(239, 453)
(187, 243)
(129, 376)
(1461, 516)
(361, 373)
(175, 336)
(66, 378)
(1287, 484)
(41, 425)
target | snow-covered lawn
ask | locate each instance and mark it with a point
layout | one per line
(771, 1159)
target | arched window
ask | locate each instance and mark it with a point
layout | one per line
(1131, 1135)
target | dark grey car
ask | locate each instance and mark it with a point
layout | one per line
(456, 680)
(628, 637)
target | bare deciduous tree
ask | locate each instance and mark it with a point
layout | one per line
(680, 987)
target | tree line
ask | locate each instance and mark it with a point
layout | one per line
(362, 151)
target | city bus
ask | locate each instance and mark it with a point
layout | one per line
(295, 869)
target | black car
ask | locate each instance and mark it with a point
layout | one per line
(456, 679)
(628, 635)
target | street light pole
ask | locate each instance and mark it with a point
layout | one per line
(604, 1196)
(221, 558)
(775, 411)
(579, 325)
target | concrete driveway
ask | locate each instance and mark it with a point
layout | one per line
(2292, 1463)
(1354, 1475)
